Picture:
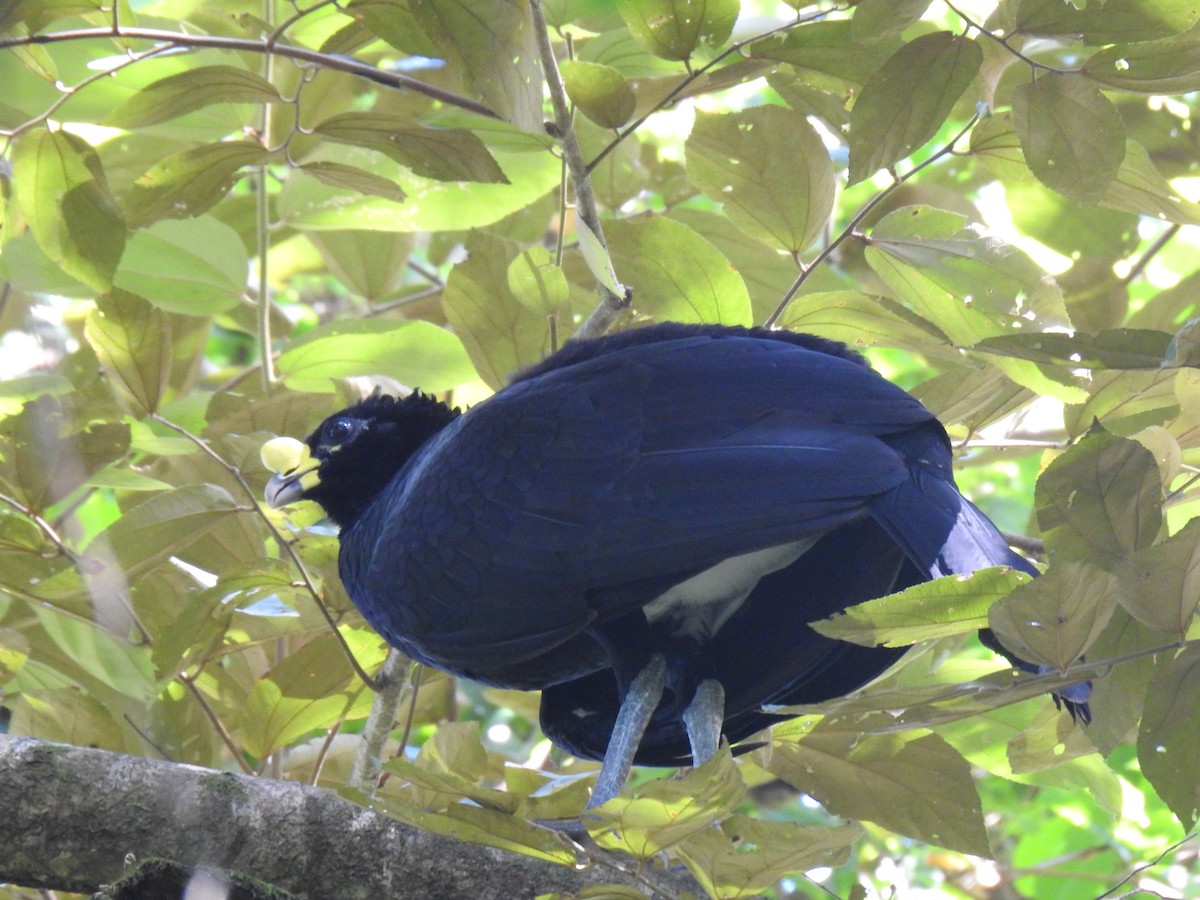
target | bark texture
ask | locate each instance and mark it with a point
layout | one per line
(73, 816)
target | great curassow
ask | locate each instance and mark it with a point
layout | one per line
(642, 526)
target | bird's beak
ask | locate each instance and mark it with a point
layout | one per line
(295, 471)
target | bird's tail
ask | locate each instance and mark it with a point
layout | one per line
(944, 533)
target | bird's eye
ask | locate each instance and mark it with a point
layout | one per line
(338, 430)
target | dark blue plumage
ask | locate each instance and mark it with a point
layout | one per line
(561, 533)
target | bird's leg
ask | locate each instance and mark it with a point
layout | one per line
(637, 707)
(703, 718)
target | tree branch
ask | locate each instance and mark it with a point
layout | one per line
(73, 816)
(288, 51)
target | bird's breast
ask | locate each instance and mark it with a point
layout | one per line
(698, 607)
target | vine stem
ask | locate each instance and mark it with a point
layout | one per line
(852, 227)
(272, 46)
(611, 305)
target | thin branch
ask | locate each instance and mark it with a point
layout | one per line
(1144, 260)
(694, 74)
(611, 305)
(226, 738)
(288, 51)
(1032, 545)
(1003, 42)
(284, 544)
(1150, 865)
(368, 758)
(861, 215)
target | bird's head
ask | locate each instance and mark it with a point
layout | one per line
(352, 456)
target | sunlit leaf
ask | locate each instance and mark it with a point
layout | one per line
(673, 29)
(1140, 188)
(115, 662)
(933, 609)
(372, 264)
(443, 154)
(904, 103)
(417, 354)
(1158, 67)
(1052, 620)
(273, 720)
(770, 169)
(537, 282)
(827, 48)
(1162, 583)
(185, 92)
(862, 321)
(66, 201)
(340, 176)
(191, 182)
(196, 266)
(133, 341)
(1115, 20)
(1101, 500)
(675, 274)
(1169, 739)
(1072, 135)
(915, 784)
(874, 19)
(500, 333)
(601, 92)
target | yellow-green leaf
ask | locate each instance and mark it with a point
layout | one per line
(1054, 619)
(1161, 584)
(904, 103)
(537, 282)
(934, 609)
(185, 92)
(601, 92)
(191, 182)
(133, 342)
(1169, 738)
(770, 169)
(60, 183)
(672, 29)
(1072, 135)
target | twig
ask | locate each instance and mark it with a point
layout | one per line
(1142, 261)
(368, 758)
(611, 306)
(1140, 869)
(858, 219)
(190, 683)
(1003, 42)
(288, 51)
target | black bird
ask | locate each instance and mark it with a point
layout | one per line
(642, 526)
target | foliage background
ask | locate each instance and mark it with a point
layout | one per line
(997, 201)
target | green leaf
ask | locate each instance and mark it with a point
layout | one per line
(826, 49)
(536, 282)
(770, 169)
(657, 815)
(1054, 619)
(1159, 67)
(443, 154)
(271, 720)
(974, 398)
(191, 182)
(904, 104)
(861, 321)
(500, 334)
(132, 339)
(596, 257)
(490, 46)
(1107, 23)
(63, 193)
(914, 783)
(675, 274)
(1140, 188)
(673, 29)
(874, 19)
(372, 264)
(927, 611)
(601, 92)
(1072, 135)
(308, 203)
(418, 354)
(353, 179)
(1169, 738)
(109, 659)
(185, 92)
(192, 266)
(1120, 348)
(746, 856)
(1161, 584)
(1101, 501)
